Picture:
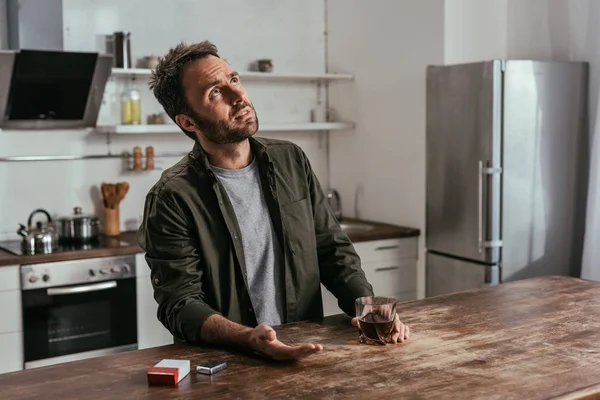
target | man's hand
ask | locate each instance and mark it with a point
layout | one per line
(400, 332)
(264, 340)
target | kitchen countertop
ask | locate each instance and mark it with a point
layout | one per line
(531, 339)
(379, 232)
(7, 258)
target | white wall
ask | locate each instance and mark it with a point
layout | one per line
(566, 30)
(558, 30)
(291, 33)
(474, 30)
(386, 44)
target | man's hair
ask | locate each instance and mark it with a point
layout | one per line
(165, 82)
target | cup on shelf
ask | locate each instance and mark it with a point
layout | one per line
(265, 65)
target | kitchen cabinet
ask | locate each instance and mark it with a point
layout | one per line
(11, 325)
(151, 332)
(390, 266)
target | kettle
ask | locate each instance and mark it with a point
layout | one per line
(43, 239)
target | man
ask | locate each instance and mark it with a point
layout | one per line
(238, 234)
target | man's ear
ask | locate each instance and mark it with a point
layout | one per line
(185, 122)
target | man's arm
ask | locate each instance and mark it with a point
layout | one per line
(221, 331)
(176, 270)
(176, 274)
(262, 339)
(339, 263)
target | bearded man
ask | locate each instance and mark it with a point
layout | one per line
(238, 234)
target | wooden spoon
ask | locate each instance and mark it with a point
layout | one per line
(122, 189)
(104, 192)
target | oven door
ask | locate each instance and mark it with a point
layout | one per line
(69, 323)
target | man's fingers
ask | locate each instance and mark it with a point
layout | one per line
(281, 351)
(306, 350)
(354, 322)
(401, 333)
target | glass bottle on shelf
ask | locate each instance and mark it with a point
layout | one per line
(131, 109)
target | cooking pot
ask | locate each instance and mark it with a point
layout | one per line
(43, 239)
(79, 227)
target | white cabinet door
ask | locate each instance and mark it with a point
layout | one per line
(151, 332)
(11, 312)
(11, 350)
(9, 278)
(11, 324)
(390, 277)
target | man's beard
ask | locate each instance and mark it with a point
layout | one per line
(222, 132)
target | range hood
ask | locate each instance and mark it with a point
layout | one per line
(51, 89)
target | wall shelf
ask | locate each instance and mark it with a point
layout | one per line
(249, 75)
(172, 128)
(72, 157)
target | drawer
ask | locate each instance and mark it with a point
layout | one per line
(392, 277)
(389, 249)
(9, 278)
(11, 312)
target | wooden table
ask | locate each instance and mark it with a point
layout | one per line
(532, 339)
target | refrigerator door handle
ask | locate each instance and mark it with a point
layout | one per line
(484, 172)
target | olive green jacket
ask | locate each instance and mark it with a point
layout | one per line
(193, 242)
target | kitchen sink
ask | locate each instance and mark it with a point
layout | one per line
(356, 227)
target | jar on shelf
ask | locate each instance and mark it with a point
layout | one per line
(131, 107)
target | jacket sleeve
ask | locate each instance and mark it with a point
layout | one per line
(176, 268)
(339, 264)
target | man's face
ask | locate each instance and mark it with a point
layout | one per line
(222, 111)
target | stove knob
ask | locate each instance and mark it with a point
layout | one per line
(115, 270)
(92, 272)
(33, 279)
(125, 269)
(46, 277)
(104, 271)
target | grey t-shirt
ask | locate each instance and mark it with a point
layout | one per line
(261, 248)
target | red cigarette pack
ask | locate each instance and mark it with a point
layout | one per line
(168, 372)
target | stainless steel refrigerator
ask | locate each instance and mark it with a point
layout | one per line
(507, 145)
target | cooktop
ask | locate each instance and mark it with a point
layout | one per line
(15, 247)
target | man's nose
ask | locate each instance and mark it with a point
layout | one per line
(236, 96)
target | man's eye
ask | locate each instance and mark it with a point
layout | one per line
(235, 80)
(214, 93)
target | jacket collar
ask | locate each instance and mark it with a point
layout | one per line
(258, 146)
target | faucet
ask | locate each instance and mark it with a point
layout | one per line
(335, 203)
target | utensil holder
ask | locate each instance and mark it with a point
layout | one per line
(111, 222)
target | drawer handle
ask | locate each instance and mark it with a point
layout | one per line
(386, 247)
(386, 269)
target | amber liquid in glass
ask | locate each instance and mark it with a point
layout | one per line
(375, 327)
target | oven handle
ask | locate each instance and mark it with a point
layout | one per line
(94, 287)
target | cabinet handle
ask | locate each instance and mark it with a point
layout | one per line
(386, 247)
(386, 268)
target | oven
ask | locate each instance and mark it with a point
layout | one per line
(78, 309)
